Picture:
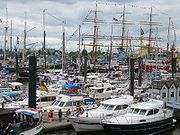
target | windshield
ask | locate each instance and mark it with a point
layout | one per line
(56, 102)
(110, 107)
(101, 106)
(61, 104)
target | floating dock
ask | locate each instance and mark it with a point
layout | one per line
(50, 126)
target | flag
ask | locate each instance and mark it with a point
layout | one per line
(43, 87)
(114, 19)
(141, 32)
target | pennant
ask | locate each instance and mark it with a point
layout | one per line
(141, 32)
(43, 87)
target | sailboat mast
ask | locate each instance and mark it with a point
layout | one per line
(5, 36)
(94, 35)
(11, 56)
(123, 28)
(44, 45)
(150, 30)
(63, 51)
(168, 37)
(110, 54)
(79, 49)
(25, 35)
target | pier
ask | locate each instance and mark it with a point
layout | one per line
(50, 126)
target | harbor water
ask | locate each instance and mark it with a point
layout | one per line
(174, 131)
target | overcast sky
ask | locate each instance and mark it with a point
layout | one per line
(73, 12)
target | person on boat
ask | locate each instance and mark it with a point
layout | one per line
(15, 119)
(60, 114)
(2, 131)
(9, 129)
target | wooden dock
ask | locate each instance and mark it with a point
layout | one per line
(50, 126)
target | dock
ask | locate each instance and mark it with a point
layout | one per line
(50, 126)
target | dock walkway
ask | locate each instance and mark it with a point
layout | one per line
(49, 126)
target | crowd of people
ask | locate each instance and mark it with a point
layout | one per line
(19, 123)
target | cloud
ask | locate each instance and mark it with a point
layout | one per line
(75, 11)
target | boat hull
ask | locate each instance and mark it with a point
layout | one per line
(141, 129)
(85, 124)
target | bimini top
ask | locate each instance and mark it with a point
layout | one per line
(29, 111)
(151, 104)
(124, 99)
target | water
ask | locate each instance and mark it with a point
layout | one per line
(175, 131)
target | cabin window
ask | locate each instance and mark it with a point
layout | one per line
(74, 103)
(53, 98)
(113, 88)
(163, 95)
(61, 104)
(136, 111)
(105, 106)
(156, 111)
(57, 102)
(142, 112)
(130, 110)
(78, 103)
(117, 108)
(172, 94)
(43, 99)
(100, 90)
(110, 107)
(179, 93)
(150, 112)
(124, 106)
(68, 104)
(101, 106)
(108, 89)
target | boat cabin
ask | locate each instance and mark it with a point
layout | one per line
(65, 102)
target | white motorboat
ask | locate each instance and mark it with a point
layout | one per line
(90, 120)
(142, 118)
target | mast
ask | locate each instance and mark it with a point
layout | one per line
(63, 51)
(168, 37)
(94, 35)
(150, 30)
(11, 56)
(25, 35)
(110, 54)
(5, 37)
(79, 49)
(44, 45)
(123, 28)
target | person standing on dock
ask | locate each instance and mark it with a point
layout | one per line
(60, 114)
(50, 115)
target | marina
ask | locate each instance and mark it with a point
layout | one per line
(89, 67)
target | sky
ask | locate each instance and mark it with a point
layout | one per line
(74, 12)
